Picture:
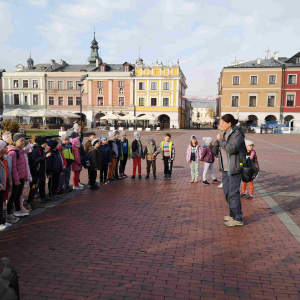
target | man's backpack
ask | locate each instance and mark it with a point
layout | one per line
(85, 160)
(248, 168)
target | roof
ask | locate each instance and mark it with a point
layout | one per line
(2, 70)
(264, 63)
(200, 104)
(36, 68)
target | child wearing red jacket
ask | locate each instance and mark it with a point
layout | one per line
(76, 165)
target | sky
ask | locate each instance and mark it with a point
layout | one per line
(204, 35)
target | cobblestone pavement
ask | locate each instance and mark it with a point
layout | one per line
(156, 239)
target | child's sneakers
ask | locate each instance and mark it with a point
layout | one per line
(232, 223)
(205, 182)
(94, 187)
(147, 177)
(227, 218)
(154, 176)
(166, 177)
(20, 214)
(216, 181)
(140, 176)
(11, 219)
(220, 186)
(248, 196)
(133, 177)
(243, 195)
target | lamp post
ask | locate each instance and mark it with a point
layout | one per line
(80, 85)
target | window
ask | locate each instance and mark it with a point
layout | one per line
(166, 86)
(121, 101)
(252, 101)
(35, 99)
(153, 85)
(236, 80)
(121, 91)
(100, 101)
(297, 60)
(50, 85)
(141, 101)
(77, 85)
(100, 91)
(290, 100)
(51, 100)
(25, 83)
(253, 80)
(25, 99)
(235, 101)
(121, 83)
(102, 69)
(142, 85)
(60, 100)
(271, 101)
(100, 84)
(70, 100)
(60, 85)
(272, 79)
(153, 101)
(70, 85)
(78, 100)
(165, 101)
(126, 69)
(292, 79)
(16, 83)
(16, 99)
(35, 84)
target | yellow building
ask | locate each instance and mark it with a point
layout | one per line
(251, 91)
(159, 91)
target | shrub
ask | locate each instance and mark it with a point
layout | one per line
(12, 126)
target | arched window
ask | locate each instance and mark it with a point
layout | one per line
(121, 92)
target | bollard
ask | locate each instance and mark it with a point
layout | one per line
(9, 285)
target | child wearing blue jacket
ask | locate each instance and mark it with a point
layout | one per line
(106, 153)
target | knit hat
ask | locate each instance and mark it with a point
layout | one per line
(64, 138)
(137, 135)
(3, 144)
(102, 138)
(207, 140)
(94, 141)
(248, 143)
(75, 141)
(193, 137)
(18, 136)
(111, 134)
(74, 135)
(40, 140)
(150, 139)
(52, 143)
(123, 133)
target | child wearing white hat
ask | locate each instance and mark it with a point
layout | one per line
(137, 151)
(252, 155)
(208, 158)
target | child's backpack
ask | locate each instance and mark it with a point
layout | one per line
(85, 160)
(248, 168)
(34, 167)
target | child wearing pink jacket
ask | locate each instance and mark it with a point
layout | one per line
(76, 165)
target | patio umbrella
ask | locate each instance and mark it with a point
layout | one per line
(110, 117)
(128, 118)
(146, 118)
(71, 115)
(43, 113)
(18, 112)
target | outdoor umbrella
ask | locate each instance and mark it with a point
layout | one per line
(128, 118)
(17, 113)
(43, 113)
(110, 117)
(146, 118)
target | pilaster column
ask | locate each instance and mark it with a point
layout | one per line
(90, 95)
(110, 84)
(131, 92)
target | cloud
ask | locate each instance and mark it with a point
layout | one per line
(7, 19)
(249, 19)
(40, 3)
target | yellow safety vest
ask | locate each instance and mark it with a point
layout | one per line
(162, 148)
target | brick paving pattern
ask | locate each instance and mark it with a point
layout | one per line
(156, 239)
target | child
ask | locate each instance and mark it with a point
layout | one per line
(76, 165)
(125, 154)
(76, 135)
(5, 179)
(96, 163)
(137, 151)
(60, 188)
(252, 154)
(54, 168)
(118, 142)
(106, 154)
(88, 144)
(208, 159)
(19, 175)
(38, 171)
(151, 160)
(167, 150)
(114, 148)
(193, 158)
(69, 157)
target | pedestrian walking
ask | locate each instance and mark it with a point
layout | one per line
(193, 158)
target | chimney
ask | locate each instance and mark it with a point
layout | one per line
(52, 62)
(62, 62)
(276, 55)
(19, 67)
(97, 62)
(258, 61)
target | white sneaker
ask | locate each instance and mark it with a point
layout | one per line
(75, 187)
(2, 227)
(19, 214)
(81, 184)
(220, 186)
(25, 211)
(7, 224)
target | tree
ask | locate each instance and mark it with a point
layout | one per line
(211, 112)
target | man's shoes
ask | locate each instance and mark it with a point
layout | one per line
(248, 197)
(140, 176)
(205, 182)
(216, 181)
(94, 187)
(232, 223)
(11, 219)
(154, 176)
(133, 177)
(147, 177)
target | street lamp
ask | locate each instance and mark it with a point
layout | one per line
(80, 85)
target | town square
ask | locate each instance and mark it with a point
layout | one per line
(149, 151)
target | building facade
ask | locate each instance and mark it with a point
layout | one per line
(1, 92)
(202, 111)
